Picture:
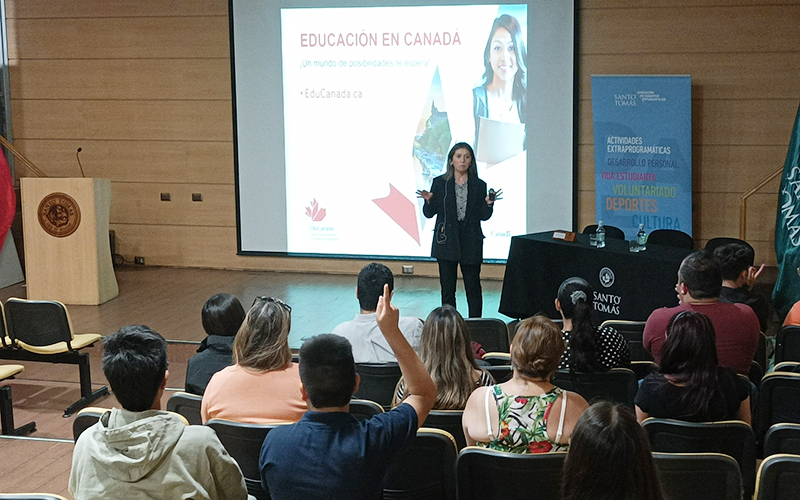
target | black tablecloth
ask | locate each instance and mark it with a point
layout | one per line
(635, 283)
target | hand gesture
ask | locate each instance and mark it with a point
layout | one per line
(387, 315)
(753, 274)
(494, 196)
(426, 195)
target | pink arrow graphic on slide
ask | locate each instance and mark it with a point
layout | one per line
(401, 210)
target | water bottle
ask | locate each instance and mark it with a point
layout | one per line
(600, 234)
(641, 238)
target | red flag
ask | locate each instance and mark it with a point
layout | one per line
(8, 200)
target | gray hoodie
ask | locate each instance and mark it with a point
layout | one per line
(152, 454)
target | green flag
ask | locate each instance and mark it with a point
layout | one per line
(787, 228)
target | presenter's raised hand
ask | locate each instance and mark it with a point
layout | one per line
(387, 315)
(425, 195)
(494, 196)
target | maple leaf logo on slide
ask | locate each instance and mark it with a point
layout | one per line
(314, 212)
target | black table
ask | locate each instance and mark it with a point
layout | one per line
(633, 284)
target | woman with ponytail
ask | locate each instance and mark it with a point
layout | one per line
(588, 349)
(690, 385)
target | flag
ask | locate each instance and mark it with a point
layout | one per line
(787, 228)
(8, 200)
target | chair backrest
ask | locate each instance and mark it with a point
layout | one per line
(30, 496)
(425, 469)
(489, 474)
(188, 405)
(643, 368)
(787, 344)
(699, 476)
(500, 373)
(782, 438)
(611, 231)
(378, 382)
(450, 421)
(671, 238)
(618, 385)
(86, 418)
(490, 333)
(778, 400)
(243, 443)
(6, 342)
(364, 409)
(715, 243)
(38, 322)
(787, 366)
(778, 478)
(732, 437)
(513, 325)
(632, 332)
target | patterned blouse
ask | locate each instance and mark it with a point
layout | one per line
(523, 422)
(461, 200)
(612, 350)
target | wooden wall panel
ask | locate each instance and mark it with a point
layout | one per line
(135, 203)
(665, 4)
(130, 79)
(22, 9)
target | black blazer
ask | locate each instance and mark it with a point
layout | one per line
(466, 247)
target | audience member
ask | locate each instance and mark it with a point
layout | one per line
(369, 345)
(521, 421)
(263, 386)
(330, 454)
(698, 289)
(588, 349)
(793, 318)
(689, 384)
(446, 352)
(222, 315)
(141, 451)
(738, 276)
(609, 458)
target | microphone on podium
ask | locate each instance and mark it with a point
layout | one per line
(77, 155)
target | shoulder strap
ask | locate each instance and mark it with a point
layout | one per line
(561, 418)
(488, 415)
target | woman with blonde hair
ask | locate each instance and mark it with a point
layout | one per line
(527, 414)
(446, 352)
(263, 385)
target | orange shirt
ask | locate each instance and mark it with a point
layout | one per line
(793, 318)
(239, 394)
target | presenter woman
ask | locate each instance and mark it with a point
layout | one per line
(459, 201)
(502, 95)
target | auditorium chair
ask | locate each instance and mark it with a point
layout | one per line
(731, 437)
(425, 469)
(243, 442)
(778, 478)
(611, 231)
(30, 496)
(514, 324)
(782, 438)
(490, 333)
(497, 358)
(787, 366)
(787, 344)
(378, 382)
(500, 373)
(699, 476)
(671, 238)
(7, 406)
(632, 332)
(450, 421)
(41, 331)
(364, 409)
(485, 474)
(188, 405)
(778, 401)
(618, 385)
(90, 415)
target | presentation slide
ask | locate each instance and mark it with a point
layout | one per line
(343, 113)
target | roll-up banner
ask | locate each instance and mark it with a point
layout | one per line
(643, 151)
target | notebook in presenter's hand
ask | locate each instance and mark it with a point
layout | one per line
(499, 141)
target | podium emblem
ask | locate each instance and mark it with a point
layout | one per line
(59, 215)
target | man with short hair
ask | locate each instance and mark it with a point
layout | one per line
(698, 288)
(738, 276)
(369, 345)
(330, 454)
(141, 451)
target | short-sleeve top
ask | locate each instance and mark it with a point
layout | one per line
(486, 380)
(612, 349)
(523, 422)
(661, 399)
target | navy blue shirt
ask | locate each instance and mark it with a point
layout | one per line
(333, 455)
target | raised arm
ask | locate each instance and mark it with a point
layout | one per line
(420, 389)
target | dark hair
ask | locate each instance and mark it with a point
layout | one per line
(473, 167)
(510, 24)
(327, 370)
(689, 358)
(370, 285)
(609, 458)
(134, 363)
(701, 275)
(223, 315)
(734, 258)
(577, 299)
(537, 348)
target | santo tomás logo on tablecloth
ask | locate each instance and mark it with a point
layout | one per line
(59, 214)
(606, 277)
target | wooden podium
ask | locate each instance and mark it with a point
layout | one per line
(67, 251)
